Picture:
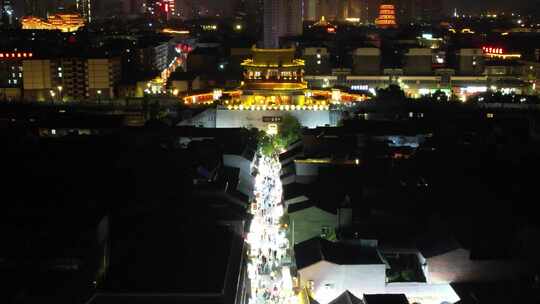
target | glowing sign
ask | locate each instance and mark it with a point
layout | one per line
(473, 89)
(272, 119)
(497, 52)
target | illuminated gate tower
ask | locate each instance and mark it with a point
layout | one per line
(273, 86)
(273, 78)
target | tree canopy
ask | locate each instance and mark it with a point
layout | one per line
(289, 131)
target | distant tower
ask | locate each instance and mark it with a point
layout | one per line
(6, 12)
(281, 18)
(342, 10)
(85, 8)
(31, 8)
(387, 17)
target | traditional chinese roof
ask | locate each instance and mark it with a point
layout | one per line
(273, 58)
(317, 249)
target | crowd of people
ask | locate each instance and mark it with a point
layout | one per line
(268, 272)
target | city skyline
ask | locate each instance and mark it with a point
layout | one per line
(466, 7)
(268, 152)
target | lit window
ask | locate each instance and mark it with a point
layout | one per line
(60, 74)
(14, 81)
(20, 75)
(325, 231)
(318, 62)
(319, 56)
(59, 68)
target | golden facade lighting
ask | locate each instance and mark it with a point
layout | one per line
(387, 17)
(62, 22)
(499, 53)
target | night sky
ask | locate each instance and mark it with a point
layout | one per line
(463, 6)
(483, 5)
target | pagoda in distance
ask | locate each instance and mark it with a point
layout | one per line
(387, 17)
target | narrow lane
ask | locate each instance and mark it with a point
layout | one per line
(268, 267)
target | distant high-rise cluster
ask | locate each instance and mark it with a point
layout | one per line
(336, 9)
(368, 10)
(281, 18)
(85, 9)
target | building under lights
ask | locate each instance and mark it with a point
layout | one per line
(6, 12)
(161, 9)
(281, 18)
(61, 22)
(273, 86)
(387, 17)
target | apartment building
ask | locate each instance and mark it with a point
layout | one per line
(70, 79)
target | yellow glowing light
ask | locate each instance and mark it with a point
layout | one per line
(62, 22)
(272, 129)
(172, 31)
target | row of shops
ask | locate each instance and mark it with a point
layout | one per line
(417, 86)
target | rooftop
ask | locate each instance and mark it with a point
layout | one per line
(317, 249)
(385, 299)
(165, 254)
(346, 298)
(273, 57)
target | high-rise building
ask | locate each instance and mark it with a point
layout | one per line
(419, 10)
(85, 8)
(70, 78)
(161, 9)
(335, 9)
(348, 9)
(6, 12)
(31, 8)
(132, 7)
(255, 7)
(185, 9)
(310, 10)
(281, 18)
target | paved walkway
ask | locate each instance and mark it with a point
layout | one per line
(268, 269)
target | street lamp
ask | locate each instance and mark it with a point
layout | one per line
(60, 93)
(52, 95)
(99, 96)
